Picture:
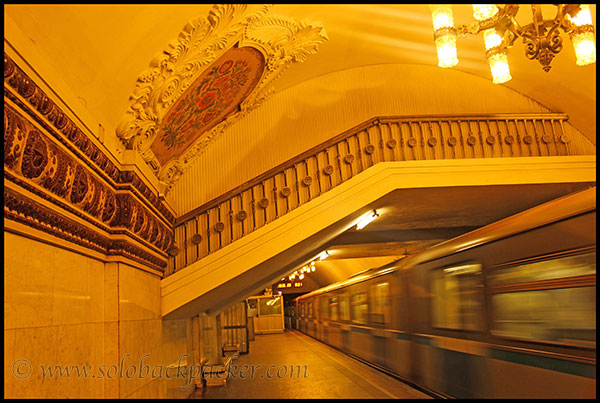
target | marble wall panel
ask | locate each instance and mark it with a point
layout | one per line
(152, 390)
(54, 315)
(140, 354)
(80, 348)
(62, 308)
(78, 289)
(10, 364)
(28, 282)
(178, 351)
(33, 348)
(140, 330)
(111, 292)
(139, 294)
(111, 359)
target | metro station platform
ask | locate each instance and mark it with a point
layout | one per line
(292, 365)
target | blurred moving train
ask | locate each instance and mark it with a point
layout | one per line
(505, 311)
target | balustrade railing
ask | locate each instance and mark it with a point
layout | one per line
(304, 177)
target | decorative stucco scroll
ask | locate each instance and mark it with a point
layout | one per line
(179, 72)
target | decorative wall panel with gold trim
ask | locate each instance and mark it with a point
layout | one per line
(58, 181)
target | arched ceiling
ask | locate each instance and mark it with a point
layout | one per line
(92, 54)
(374, 34)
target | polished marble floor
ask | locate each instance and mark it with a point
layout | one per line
(292, 365)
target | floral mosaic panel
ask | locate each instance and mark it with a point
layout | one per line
(216, 94)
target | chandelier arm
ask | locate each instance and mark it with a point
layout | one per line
(502, 19)
(538, 20)
(555, 41)
(532, 45)
(560, 17)
(509, 38)
(511, 10)
(515, 31)
(510, 24)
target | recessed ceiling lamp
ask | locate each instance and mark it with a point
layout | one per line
(367, 219)
(500, 29)
(323, 255)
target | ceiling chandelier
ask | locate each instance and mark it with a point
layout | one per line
(541, 37)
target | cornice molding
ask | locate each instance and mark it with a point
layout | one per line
(281, 40)
(21, 209)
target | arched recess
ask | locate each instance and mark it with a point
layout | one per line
(302, 116)
(243, 267)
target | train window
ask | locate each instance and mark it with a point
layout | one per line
(323, 307)
(458, 298)
(334, 308)
(553, 300)
(301, 309)
(343, 307)
(310, 310)
(380, 303)
(570, 266)
(359, 307)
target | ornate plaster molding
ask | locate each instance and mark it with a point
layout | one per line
(38, 107)
(281, 40)
(67, 187)
(63, 184)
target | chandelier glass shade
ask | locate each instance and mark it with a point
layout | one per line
(542, 37)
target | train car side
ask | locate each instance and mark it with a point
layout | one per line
(505, 311)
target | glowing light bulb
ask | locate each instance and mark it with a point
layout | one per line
(446, 51)
(497, 58)
(585, 48)
(582, 36)
(442, 17)
(491, 38)
(445, 35)
(482, 12)
(583, 17)
(366, 220)
(499, 67)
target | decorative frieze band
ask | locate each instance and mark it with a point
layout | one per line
(85, 198)
(68, 134)
(31, 158)
(21, 209)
